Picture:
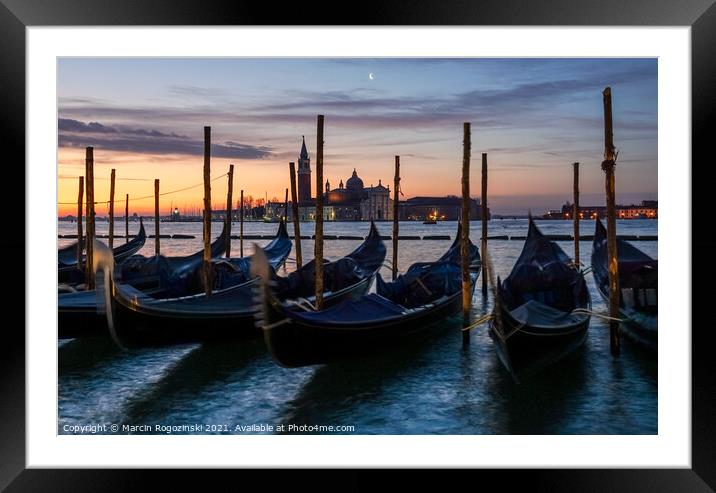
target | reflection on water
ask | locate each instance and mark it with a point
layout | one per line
(430, 385)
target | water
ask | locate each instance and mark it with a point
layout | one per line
(423, 387)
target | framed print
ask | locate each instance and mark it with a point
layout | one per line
(460, 269)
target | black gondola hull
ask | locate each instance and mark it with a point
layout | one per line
(294, 343)
(146, 328)
(83, 322)
(528, 350)
(147, 325)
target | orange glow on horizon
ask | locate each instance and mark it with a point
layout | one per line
(135, 174)
(420, 176)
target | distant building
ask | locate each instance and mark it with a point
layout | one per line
(352, 202)
(554, 214)
(356, 202)
(446, 208)
(277, 210)
(648, 209)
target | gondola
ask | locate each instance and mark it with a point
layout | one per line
(534, 321)
(428, 292)
(638, 286)
(68, 271)
(77, 311)
(142, 319)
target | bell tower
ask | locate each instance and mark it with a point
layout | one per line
(304, 174)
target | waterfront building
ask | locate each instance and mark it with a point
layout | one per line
(446, 208)
(648, 209)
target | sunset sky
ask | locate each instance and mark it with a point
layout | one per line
(533, 117)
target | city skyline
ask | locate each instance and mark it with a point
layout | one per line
(533, 117)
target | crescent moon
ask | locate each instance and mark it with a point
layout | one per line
(371, 76)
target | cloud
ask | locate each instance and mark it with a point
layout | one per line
(526, 103)
(196, 91)
(67, 125)
(75, 133)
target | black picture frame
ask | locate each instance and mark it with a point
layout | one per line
(16, 15)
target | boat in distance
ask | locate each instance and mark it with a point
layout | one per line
(142, 319)
(542, 309)
(426, 294)
(638, 287)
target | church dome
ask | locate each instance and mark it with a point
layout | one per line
(354, 183)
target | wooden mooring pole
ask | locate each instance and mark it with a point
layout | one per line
(285, 206)
(318, 246)
(241, 226)
(465, 234)
(207, 210)
(396, 227)
(575, 214)
(79, 221)
(157, 246)
(111, 209)
(89, 247)
(126, 219)
(229, 198)
(608, 166)
(483, 221)
(294, 205)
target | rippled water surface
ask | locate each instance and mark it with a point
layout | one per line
(432, 385)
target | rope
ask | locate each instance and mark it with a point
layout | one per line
(148, 196)
(504, 337)
(596, 314)
(304, 300)
(301, 303)
(479, 321)
(276, 324)
(429, 293)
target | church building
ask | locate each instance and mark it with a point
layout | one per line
(352, 202)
